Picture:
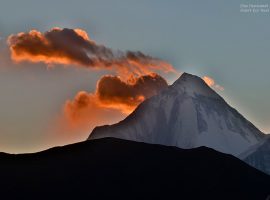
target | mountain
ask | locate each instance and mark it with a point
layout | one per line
(187, 114)
(113, 168)
(258, 156)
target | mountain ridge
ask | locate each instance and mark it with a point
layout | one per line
(116, 168)
(187, 114)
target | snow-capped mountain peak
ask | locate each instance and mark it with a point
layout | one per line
(193, 85)
(187, 114)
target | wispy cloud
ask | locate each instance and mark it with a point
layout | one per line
(211, 82)
(74, 46)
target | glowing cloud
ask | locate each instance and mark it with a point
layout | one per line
(78, 118)
(74, 46)
(211, 83)
(114, 93)
(125, 96)
(114, 99)
(115, 96)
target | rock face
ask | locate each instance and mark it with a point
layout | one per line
(258, 156)
(187, 114)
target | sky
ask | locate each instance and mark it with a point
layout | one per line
(40, 96)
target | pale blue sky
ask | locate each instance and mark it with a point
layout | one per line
(207, 37)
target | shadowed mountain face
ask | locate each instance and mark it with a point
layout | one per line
(258, 156)
(116, 168)
(187, 114)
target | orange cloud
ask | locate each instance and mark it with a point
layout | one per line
(82, 33)
(78, 118)
(85, 111)
(74, 46)
(114, 93)
(113, 99)
(115, 96)
(211, 82)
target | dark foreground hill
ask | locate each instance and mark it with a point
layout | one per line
(116, 168)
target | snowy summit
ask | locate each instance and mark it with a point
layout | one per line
(187, 114)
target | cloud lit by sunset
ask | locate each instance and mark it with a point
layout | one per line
(134, 76)
(113, 96)
(130, 78)
(115, 93)
(74, 47)
(211, 83)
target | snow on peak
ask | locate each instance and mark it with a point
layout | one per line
(187, 114)
(193, 85)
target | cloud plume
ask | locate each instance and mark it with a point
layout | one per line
(115, 96)
(113, 99)
(75, 47)
(114, 93)
(211, 82)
